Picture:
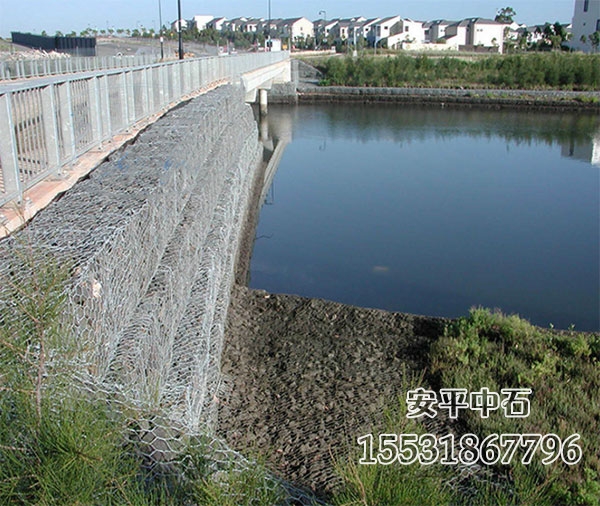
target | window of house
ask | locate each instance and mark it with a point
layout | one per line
(598, 25)
(406, 28)
(586, 5)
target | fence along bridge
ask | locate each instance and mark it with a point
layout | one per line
(49, 122)
(150, 238)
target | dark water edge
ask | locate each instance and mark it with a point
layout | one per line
(432, 211)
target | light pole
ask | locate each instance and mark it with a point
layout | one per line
(162, 49)
(180, 34)
(269, 43)
(324, 22)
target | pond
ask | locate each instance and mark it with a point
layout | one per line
(433, 211)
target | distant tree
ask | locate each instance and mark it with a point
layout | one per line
(554, 35)
(505, 15)
(594, 39)
(58, 33)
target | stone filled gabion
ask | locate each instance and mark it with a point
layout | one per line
(150, 239)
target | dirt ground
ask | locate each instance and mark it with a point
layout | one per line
(306, 377)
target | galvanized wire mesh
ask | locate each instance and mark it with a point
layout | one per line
(150, 240)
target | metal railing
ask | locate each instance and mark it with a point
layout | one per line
(40, 67)
(48, 123)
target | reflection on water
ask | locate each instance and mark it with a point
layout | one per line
(433, 211)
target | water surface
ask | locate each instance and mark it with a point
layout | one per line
(433, 211)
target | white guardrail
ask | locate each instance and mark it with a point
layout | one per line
(47, 123)
(51, 66)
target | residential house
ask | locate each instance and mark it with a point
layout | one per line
(475, 32)
(234, 24)
(184, 25)
(514, 30)
(486, 33)
(323, 27)
(295, 28)
(200, 22)
(270, 27)
(382, 29)
(341, 29)
(586, 20)
(344, 29)
(436, 30)
(363, 28)
(216, 24)
(535, 34)
(252, 25)
(408, 31)
(456, 34)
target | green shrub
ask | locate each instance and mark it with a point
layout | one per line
(522, 71)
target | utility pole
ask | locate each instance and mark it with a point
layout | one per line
(180, 33)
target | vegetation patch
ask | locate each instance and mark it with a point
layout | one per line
(562, 71)
(490, 350)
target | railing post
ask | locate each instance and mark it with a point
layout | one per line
(145, 92)
(176, 81)
(50, 126)
(8, 149)
(105, 107)
(95, 112)
(130, 98)
(161, 85)
(149, 80)
(124, 91)
(66, 117)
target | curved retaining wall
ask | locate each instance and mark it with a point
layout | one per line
(151, 238)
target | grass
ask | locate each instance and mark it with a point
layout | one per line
(62, 444)
(392, 485)
(489, 349)
(563, 71)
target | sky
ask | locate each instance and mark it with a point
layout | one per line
(67, 15)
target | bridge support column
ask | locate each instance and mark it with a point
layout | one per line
(262, 99)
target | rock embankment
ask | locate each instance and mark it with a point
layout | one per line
(306, 377)
(497, 99)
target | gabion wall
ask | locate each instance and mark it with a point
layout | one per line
(151, 239)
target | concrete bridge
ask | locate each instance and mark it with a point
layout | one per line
(151, 236)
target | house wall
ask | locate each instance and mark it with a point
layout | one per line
(437, 31)
(202, 21)
(302, 28)
(585, 23)
(457, 35)
(488, 35)
(413, 31)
